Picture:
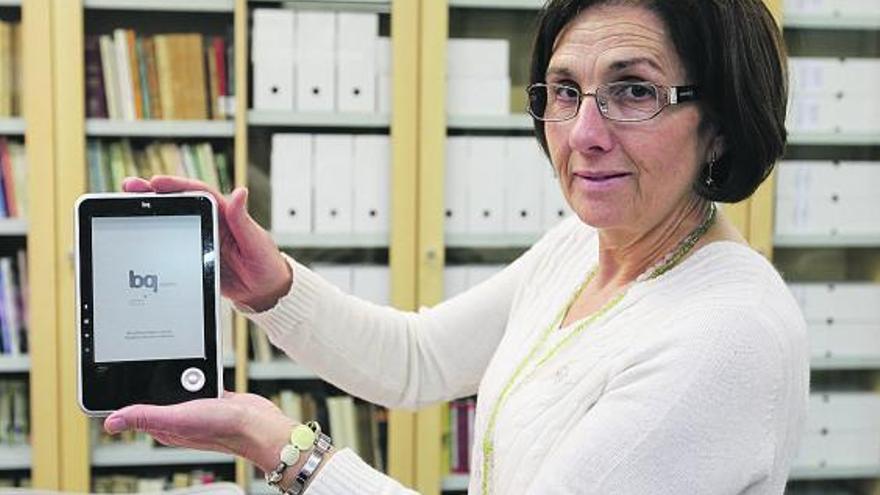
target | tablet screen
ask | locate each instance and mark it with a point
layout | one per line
(148, 301)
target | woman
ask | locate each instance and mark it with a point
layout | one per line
(639, 347)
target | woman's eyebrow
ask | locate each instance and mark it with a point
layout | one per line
(561, 72)
(623, 64)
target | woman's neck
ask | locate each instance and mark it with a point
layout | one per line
(624, 255)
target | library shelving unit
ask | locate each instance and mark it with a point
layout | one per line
(15, 365)
(834, 258)
(396, 249)
(70, 460)
(512, 20)
(81, 458)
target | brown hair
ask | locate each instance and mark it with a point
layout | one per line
(733, 50)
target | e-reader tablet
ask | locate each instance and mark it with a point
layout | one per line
(147, 294)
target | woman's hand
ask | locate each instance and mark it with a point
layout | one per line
(245, 425)
(253, 272)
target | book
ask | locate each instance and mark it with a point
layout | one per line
(123, 74)
(149, 53)
(11, 203)
(134, 70)
(180, 63)
(108, 69)
(143, 77)
(96, 100)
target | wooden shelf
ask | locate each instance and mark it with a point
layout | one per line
(15, 364)
(834, 138)
(163, 5)
(160, 128)
(279, 370)
(513, 122)
(491, 241)
(498, 4)
(142, 455)
(825, 241)
(268, 118)
(830, 22)
(845, 363)
(11, 126)
(285, 240)
(13, 227)
(455, 483)
(15, 457)
(834, 472)
(383, 6)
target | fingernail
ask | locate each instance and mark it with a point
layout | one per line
(115, 425)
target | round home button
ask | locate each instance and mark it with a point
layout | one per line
(192, 379)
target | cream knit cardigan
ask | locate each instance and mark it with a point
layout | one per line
(694, 383)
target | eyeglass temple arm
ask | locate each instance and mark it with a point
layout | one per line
(680, 94)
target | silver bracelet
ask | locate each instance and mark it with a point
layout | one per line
(316, 457)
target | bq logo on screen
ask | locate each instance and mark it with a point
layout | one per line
(143, 281)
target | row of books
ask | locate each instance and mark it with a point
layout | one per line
(14, 412)
(458, 435)
(14, 322)
(13, 175)
(165, 76)
(111, 161)
(119, 483)
(10, 68)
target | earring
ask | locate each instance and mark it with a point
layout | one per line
(712, 160)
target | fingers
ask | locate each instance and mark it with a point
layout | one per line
(141, 418)
(136, 185)
(239, 222)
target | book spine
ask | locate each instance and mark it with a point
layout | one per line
(96, 100)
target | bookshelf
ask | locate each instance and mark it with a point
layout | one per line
(14, 364)
(108, 456)
(13, 227)
(279, 119)
(12, 126)
(165, 5)
(839, 258)
(160, 128)
(15, 458)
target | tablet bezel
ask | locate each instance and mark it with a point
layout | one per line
(107, 386)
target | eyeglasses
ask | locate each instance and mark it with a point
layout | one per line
(623, 101)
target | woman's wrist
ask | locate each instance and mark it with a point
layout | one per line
(268, 300)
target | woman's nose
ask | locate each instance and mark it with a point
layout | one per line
(590, 131)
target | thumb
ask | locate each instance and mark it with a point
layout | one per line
(238, 220)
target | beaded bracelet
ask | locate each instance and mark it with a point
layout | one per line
(302, 438)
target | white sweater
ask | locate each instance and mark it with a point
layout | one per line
(695, 382)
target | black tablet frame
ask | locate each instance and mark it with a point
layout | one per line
(108, 386)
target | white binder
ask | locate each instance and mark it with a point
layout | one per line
(316, 61)
(526, 168)
(291, 178)
(356, 61)
(486, 177)
(455, 189)
(333, 184)
(372, 184)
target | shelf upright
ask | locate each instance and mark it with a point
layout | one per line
(70, 167)
(434, 31)
(43, 264)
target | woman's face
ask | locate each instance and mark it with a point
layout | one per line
(624, 176)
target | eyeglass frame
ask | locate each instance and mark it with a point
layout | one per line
(675, 95)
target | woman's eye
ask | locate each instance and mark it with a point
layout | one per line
(565, 93)
(636, 91)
